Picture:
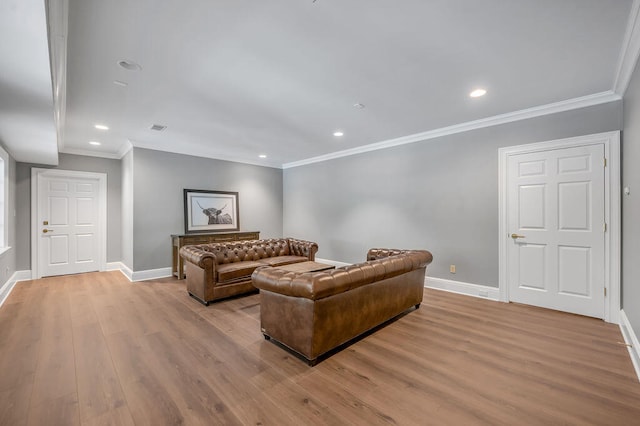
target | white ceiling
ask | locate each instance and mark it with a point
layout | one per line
(235, 79)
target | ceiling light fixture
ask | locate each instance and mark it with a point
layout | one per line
(101, 127)
(338, 134)
(358, 106)
(129, 65)
(262, 155)
(96, 143)
(477, 93)
(158, 127)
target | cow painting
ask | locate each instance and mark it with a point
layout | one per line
(215, 215)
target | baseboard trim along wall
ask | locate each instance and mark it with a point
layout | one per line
(631, 339)
(150, 274)
(333, 262)
(468, 289)
(8, 286)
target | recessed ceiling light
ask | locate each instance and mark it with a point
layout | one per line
(101, 127)
(120, 83)
(96, 143)
(477, 93)
(262, 155)
(359, 106)
(338, 133)
(158, 127)
(130, 65)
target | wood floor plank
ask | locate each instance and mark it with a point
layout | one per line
(61, 411)
(96, 349)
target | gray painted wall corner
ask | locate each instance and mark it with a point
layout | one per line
(631, 203)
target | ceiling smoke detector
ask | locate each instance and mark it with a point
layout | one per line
(158, 127)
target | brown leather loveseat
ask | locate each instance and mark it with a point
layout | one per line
(218, 270)
(313, 313)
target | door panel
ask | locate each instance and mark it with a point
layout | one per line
(556, 208)
(69, 211)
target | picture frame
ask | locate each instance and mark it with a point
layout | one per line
(210, 211)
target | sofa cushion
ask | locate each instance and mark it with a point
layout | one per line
(236, 270)
(282, 260)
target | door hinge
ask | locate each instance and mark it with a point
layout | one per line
(605, 161)
(605, 292)
(604, 227)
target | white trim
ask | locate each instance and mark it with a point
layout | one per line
(629, 51)
(151, 274)
(6, 289)
(114, 266)
(332, 262)
(468, 289)
(36, 173)
(124, 149)
(611, 141)
(553, 108)
(89, 153)
(58, 24)
(126, 271)
(631, 339)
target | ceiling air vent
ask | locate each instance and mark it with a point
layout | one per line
(158, 127)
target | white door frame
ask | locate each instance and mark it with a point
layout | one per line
(612, 212)
(36, 175)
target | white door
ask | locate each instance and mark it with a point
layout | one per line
(68, 222)
(556, 222)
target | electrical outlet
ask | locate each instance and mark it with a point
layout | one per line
(452, 269)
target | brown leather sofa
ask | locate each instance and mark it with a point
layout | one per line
(219, 270)
(313, 313)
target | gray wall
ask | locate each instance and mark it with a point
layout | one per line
(127, 210)
(78, 163)
(440, 194)
(8, 258)
(631, 203)
(158, 208)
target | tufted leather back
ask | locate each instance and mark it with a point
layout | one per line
(239, 251)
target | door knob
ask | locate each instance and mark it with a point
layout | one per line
(44, 231)
(516, 236)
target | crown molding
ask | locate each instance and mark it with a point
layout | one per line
(204, 153)
(57, 12)
(124, 149)
(629, 52)
(553, 108)
(88, 153)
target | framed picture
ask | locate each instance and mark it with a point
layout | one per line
(207, 211)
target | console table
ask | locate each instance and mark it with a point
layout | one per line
(179, 240)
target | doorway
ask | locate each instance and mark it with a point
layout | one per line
(68, 222)
(559, 225)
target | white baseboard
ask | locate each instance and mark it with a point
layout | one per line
(119, 266)
(152, 274)
(7, 287)
(468, 289)
(332, 262)
(631, 339)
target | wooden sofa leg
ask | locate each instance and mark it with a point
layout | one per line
(266, 337)
(418, 306)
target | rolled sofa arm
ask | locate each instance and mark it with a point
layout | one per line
(318, 285)
(304, 248)
(197, 255)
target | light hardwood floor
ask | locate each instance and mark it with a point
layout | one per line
(95, 349)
